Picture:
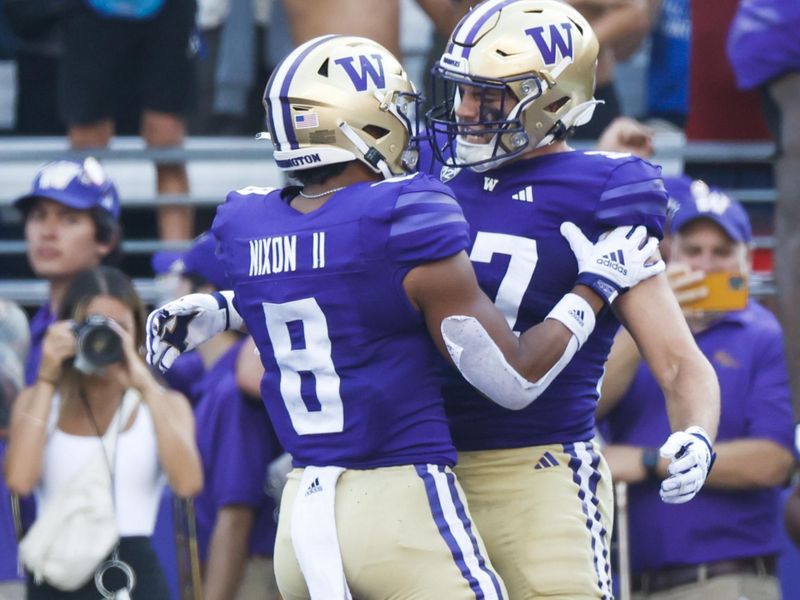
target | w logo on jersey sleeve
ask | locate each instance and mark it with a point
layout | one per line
(560, 42)
(369, 69)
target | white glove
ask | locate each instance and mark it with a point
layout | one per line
(187, 322)
(691, 455)
(616, 262)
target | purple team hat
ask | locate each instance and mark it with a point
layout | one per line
(200, 259)
(80, 185)
(693, 199)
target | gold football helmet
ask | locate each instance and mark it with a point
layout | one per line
(340, 98)
(530, 64)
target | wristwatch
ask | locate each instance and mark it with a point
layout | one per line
(650, 458)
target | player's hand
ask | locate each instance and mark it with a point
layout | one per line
(187, 322)
(684, 283)
(616, 262)
(58, 346)
(627, 135)
(692, 457)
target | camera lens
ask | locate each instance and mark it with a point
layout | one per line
(98, 344)
(101, 346)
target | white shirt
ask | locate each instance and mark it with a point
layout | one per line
(138, 478)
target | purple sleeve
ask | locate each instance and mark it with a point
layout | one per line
(244, 450)
(634, 194)
(426, 225)
(769, 410)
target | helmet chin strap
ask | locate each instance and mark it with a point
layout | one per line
(378, 163)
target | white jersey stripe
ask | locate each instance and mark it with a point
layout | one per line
(459, 532)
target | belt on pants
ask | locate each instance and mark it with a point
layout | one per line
(664, 579)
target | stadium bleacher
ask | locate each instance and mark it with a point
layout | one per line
(218, 165)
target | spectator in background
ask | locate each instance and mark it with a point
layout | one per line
(764, 49)
(71, 219)
(668, 69)
(197, 271)
(717, 110)
(36, 34)
(232, 62)
(14, 343)
(236, 519)
(100, 37)
(723, 544)
(620, 27)
(83, 405)
(379, 21)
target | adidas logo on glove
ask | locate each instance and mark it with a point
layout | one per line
(613, 260)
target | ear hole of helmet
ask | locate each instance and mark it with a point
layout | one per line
(323, 68)
(554, 107)
(375, 131)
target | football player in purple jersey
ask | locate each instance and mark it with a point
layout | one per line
(516, 76)
(348, 282)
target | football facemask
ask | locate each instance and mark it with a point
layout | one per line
(527, 68)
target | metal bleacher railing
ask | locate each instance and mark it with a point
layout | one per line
(217, 165)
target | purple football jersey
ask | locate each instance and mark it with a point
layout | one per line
(349, 375)
(525, 265)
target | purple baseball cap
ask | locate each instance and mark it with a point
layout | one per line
(690, 200)
(80, 185)
(200, 259)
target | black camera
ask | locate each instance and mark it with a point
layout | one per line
(98, 345)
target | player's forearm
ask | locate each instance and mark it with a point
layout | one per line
(542, 347)
(227, 555)
(750, 463)
(623, 27)
(691, 390)
(621, 366)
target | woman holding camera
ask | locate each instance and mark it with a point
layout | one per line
(56, 423)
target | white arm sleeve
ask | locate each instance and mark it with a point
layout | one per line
(483, 365)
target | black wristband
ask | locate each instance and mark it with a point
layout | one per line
(650, 458)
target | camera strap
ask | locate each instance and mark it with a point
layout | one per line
(109, 443)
